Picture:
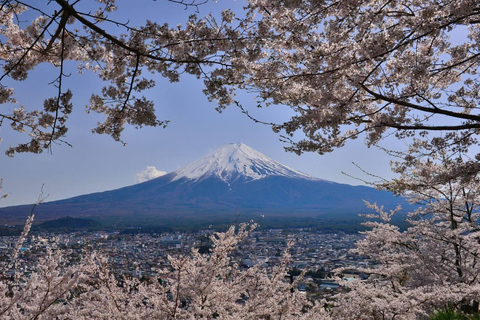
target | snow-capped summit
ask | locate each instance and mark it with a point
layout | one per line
(235, 161)
(231, 179)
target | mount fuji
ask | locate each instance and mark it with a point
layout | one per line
(233, 162)
(233, 179)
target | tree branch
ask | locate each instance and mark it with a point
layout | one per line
(422, 108)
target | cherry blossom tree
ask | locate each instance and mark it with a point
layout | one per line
(35, 293)
(344, 67)
(434, 264)
(196, 286)
(352, 67)
(38, 295)
(201, 286)
(65, 31)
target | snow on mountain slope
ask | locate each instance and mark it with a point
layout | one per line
(230, 179)
(236, 161)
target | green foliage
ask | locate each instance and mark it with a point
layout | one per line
(450, 314)
(294, 272)
(68, 224)
(10, 231)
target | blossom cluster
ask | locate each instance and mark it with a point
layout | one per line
(61, 34)
(196, 286)
(344, 67)
(434, 263)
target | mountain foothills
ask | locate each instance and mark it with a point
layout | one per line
(230, 183)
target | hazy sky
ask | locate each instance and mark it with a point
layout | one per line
(98, 163)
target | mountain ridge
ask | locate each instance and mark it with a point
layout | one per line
(212, 189)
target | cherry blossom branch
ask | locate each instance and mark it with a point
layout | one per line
(27, 51)
(192, 3)
(421, 108)
(132, 82)
(245, 112)
(59, 95)
(67, 7)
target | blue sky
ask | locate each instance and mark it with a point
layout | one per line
(98, 163)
